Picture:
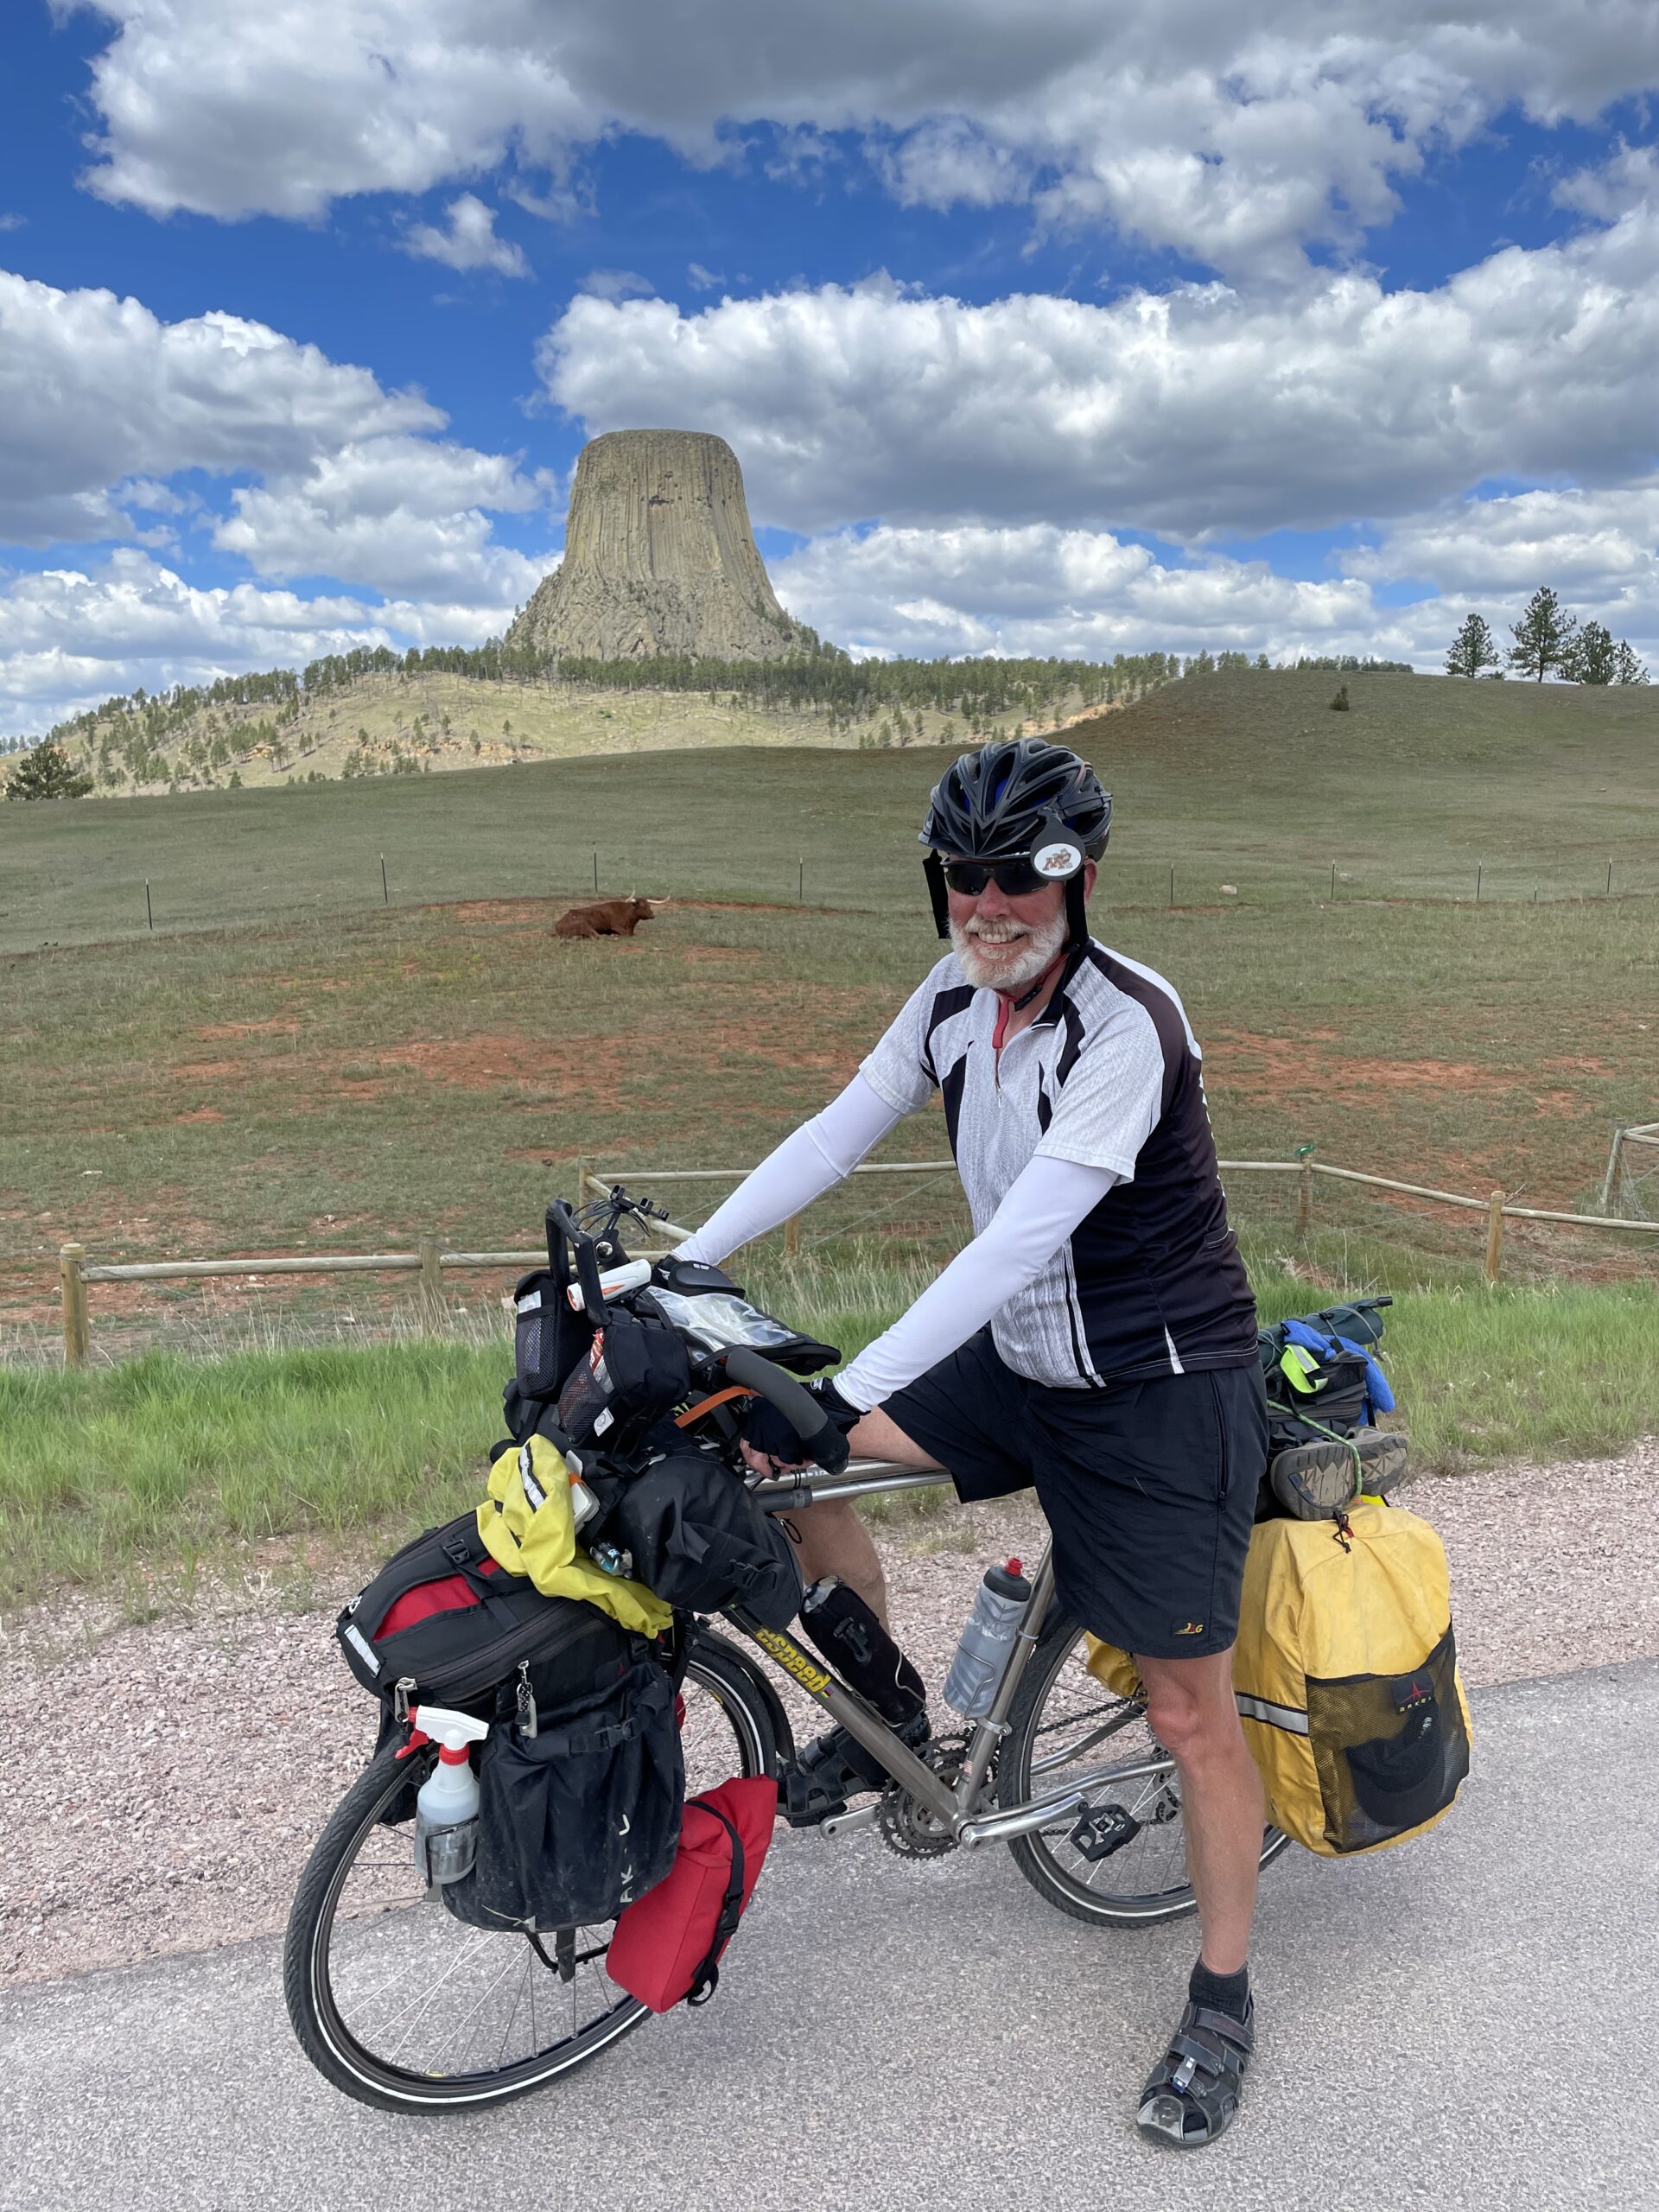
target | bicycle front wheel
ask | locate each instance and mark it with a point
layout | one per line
(403, 2007)
(1126, 1866)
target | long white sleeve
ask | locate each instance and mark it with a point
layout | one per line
(1043, 1205)
(806, 1165)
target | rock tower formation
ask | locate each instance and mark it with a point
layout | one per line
(658, 558)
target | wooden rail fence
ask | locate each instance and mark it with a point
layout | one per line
(430, 1262)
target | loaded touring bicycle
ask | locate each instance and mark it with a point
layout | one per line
(418, 1995)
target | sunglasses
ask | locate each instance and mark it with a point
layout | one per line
(1014, 879)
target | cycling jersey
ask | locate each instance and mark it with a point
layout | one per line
(1150, 1281)
(1102, 1246)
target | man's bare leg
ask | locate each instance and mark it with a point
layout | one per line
(1189, 1709)
(833, 1538)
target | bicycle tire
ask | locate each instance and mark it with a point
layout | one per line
(325, 2032)
(1042, 1856)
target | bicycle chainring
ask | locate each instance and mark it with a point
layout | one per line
(911, 1830)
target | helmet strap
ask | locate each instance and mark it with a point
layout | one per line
(933, 869)
(1076, 914)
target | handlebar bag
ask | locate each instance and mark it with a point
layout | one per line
(635, 1371)
(700, 1541)
(579, 1810)
(667, 1945)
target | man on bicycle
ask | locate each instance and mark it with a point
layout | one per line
(1095, 1339)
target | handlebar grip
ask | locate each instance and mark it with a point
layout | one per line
(821, 1441)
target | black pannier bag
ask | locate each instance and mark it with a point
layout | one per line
(579, 1805)
(549, 1334)
(441, 1623)
(699, 1539)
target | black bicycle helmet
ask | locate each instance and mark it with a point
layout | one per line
(1018, 799)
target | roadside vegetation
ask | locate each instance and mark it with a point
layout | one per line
(143, 1473)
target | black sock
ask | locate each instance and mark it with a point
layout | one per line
(1222, 1993)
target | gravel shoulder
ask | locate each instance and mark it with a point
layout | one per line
(170, 1776)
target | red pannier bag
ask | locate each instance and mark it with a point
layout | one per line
(667, 1944)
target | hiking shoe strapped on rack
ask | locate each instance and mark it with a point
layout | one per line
(1384, 1460)
(1315, 1482)
(817, 1782)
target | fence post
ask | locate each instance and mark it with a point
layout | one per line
(792, 1238)
(595, 873)
(150, 911)
(1304, 1198)
(77, 1327)
(1494, 1237)
(1172, 886)
(431, 1283)
(580, 1200)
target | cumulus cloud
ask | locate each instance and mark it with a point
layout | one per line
(1188, 411)
(466, 240)
(403, 515)
(1628, 178)
(95, 389)
(1040, 589)
(1233, 136)
(71, 637)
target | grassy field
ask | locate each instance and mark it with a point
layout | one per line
(149, 1469)
(329, 1074)
(1245, 781)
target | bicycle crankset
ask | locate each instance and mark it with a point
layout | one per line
(913, 1830)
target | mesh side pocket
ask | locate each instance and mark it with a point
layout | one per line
(1389, 1751)
(547, 1337)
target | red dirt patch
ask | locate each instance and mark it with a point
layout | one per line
(200, 1114)
(1277, 1064)
(208, 1071)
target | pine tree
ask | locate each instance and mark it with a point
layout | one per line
(44, 772)
(1472, 649)
(1543, 636)
(1592, 657)
(1628, 667)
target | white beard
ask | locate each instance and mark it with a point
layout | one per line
(1005, 955)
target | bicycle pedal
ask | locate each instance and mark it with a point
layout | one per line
(1103, 1830)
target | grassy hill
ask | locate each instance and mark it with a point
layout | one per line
(1235, 780)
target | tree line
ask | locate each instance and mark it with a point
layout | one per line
(1547, 641)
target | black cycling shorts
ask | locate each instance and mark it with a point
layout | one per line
(1150, 1488)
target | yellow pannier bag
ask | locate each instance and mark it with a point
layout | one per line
(527, 1525)
(1346, 1672)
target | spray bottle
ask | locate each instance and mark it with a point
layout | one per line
(445, 1809)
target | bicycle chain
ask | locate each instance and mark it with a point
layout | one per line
(910, 1830)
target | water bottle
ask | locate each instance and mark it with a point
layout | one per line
(983, 1653)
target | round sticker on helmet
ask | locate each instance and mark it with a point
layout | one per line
(1057, 860)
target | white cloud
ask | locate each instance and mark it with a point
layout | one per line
(402, 516)
(468, 242)
(1191, 411)
(95, 389)
(71, 637)
(702, 279)
(616, 284)
(1597, 549)
(1235, 136)
(1040, 590)
(1629, 178)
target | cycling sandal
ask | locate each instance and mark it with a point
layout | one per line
(1194, 2091)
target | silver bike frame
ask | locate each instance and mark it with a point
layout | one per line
(951, 1803)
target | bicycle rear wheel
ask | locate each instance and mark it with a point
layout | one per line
(403, 2007)
(1064, 1722)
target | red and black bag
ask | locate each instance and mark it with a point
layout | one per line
(667, 1945)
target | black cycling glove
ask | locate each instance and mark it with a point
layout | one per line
(765, 1429)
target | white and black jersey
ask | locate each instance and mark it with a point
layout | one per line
(1151, 1282)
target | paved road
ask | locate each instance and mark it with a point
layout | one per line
(1466, 2023)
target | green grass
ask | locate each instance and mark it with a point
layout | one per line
(1242, 779)
(145, 1471)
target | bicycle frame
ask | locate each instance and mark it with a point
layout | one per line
(951, 1803)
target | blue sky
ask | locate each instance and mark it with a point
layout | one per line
(1294, 327)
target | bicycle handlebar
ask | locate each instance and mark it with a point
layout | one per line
(821, 1441)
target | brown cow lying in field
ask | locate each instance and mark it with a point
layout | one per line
(606, 917)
